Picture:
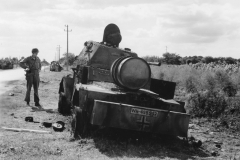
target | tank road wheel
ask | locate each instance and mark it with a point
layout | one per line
(79, 123)
(64, 107)
(65, 95)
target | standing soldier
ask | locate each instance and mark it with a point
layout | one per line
(32, 66)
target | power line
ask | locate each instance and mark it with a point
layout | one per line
(67, 43)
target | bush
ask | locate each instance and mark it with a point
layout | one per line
(230, 118)
(69, 61)
(226, 84)
(206, 104)
(209, 82)
(230, 89)
(233, 106)
(196, 104)
(189, 61)
(236, 79)
(191, 85)
(171, 58)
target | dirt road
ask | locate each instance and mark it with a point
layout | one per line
(217, 143)
(9, 75)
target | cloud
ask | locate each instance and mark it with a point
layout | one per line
(196, 24)
(114, 3)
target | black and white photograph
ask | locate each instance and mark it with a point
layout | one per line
(119, 79)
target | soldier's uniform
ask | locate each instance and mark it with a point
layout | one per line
(32, 76)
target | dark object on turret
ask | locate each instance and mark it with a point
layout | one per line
(112, 35)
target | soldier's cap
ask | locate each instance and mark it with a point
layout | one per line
(35, 50)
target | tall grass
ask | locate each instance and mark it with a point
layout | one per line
(206, 92)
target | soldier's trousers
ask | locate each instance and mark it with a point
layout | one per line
(32, 80)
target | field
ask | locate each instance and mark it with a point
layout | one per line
(218, 141)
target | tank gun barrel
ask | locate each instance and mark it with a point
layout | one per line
(154, 63)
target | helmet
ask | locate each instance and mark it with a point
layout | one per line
(34, 50)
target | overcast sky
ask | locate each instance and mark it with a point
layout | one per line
(186, 27)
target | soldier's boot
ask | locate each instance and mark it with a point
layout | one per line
(38, 105)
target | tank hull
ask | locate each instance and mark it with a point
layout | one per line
(139, 118)
(117, 109)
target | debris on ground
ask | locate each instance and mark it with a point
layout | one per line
(218, 145)
(30, 119)
(11, 94)
(47, 124)
(25, 130)
(194, 142)
(217, 142)
(214, 153)
(58, 126)
(44, 81)
(42, 109)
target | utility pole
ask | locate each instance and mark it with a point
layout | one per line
(166, 49)
(58, 47)
(67, 43)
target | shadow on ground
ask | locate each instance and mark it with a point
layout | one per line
(117, 143)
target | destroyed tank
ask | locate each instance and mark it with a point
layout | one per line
(55, 66)
(112, 87)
